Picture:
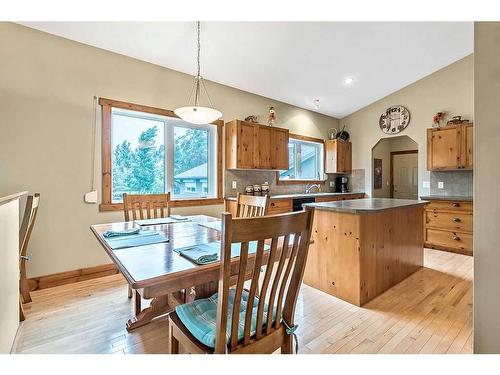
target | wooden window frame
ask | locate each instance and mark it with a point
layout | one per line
(301, 182)
(106, 202)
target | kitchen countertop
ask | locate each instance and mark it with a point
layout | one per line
(305, 195)
(447, 198)
(366, 205)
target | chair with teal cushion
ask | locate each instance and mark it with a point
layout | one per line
(200, 316)
(236, 320)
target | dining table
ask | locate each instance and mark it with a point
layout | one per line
(162, 275)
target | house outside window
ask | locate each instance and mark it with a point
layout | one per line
(306, 161)
(153, 153)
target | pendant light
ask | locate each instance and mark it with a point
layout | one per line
(196, 114)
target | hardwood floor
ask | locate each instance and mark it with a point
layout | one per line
(430, 312)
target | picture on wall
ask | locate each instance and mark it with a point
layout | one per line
(377, 173)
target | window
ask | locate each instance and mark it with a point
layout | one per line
(149, 151)
(306, 158)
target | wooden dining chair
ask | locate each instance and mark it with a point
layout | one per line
(147, 206)
(29, 217)
(235, 320)
(140, 207)
(251, 206)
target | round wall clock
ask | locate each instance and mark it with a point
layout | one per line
(394, 120)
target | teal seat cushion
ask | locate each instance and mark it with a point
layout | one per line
(200, 316)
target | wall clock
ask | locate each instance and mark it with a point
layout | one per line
(394, 120)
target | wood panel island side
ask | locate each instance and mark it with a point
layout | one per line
(360, 248)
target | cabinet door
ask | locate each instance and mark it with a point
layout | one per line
(263, 147)
(344, 159)
(443, 148)
(338, 157)
(467, 147)
(245, 145)
(279, 156)
(331, 157)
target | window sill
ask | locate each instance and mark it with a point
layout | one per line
(104, 207)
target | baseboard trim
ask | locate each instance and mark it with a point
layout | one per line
(69, 277)
(448, 249)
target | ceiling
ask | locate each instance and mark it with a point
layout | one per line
(294, 62)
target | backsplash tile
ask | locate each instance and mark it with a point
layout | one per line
(357, 180)
(251, 177)
(456, 183)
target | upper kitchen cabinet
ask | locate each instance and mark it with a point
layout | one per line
(338, 156)
(254, 146)
(450, 148)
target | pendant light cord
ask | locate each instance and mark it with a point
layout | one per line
(199, 49)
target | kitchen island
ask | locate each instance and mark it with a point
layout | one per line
(360, 248)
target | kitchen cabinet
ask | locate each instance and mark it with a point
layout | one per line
(254, 146)
(448, 225)
(338, 156)
(450, 148)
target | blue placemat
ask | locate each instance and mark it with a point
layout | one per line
(211, 251)
(217, 225)
(143, 237)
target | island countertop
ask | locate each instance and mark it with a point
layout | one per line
(461, 198)
(366, 205)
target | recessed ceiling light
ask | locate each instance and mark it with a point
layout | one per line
(348, 81)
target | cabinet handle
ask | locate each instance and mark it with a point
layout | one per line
(455, 204)
(456, 220)
(456, 238)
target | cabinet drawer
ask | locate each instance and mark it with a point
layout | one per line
(459, 221)
(453, 240)
(450, 206)
(280, 206)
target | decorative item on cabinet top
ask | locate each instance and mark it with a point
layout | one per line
(252, 119)
(271, 120)
(256, 146)
(394, 120)
(437, 118)
(457, 120)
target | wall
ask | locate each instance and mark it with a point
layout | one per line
(9, 273)
(486, 182)
(449, 89)
(47, 84)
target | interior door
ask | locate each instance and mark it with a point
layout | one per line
(405, 176)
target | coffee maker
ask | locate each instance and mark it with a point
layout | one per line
(341, 184)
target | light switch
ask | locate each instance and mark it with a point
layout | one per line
(233, 184)
(440, 185)
(332, 184)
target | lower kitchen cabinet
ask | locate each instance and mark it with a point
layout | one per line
(448, 225)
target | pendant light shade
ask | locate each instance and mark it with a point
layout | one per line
(198, 115)
(194, 113)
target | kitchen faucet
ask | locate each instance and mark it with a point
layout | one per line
(309, 188)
